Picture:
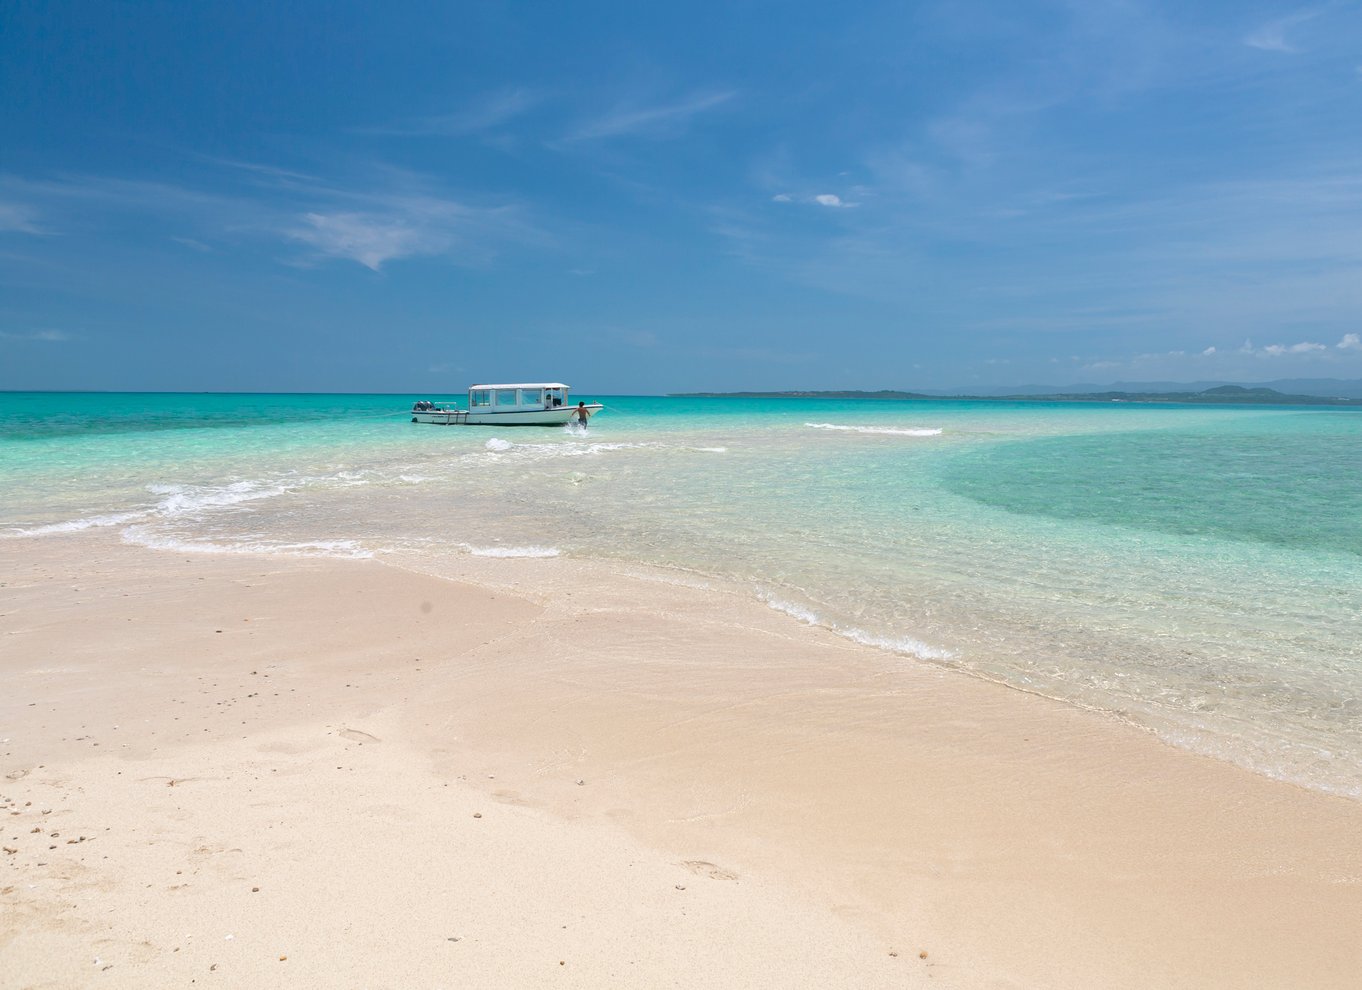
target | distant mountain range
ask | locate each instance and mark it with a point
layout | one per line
(1321, 392)
(1333, 388)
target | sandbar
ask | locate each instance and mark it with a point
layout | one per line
(239, 770)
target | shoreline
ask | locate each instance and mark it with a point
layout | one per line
(871, 803)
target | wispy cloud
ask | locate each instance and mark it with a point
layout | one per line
(368, 239)
(386, 216)
(1247, 359)
(1272, 36)
(389, 227)
(18, 218)
(37, 336)
(657, 121)
(257, 168)
(759, 355)
(831, 200)
(189, 242)
(1276, 350)
(485, 113)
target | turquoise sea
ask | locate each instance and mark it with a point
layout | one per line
(1197, 570)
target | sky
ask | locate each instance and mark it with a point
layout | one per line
(644, 198)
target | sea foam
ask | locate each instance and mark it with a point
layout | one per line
(901, 644)
(181, 500)
(888, 430)
(514, 551)
(78, 525)
(144, 536)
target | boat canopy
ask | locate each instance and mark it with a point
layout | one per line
(519, 385)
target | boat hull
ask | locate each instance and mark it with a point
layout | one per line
(557, 416)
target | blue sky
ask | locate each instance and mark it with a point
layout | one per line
(648, 198)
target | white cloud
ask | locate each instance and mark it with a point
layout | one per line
(1304, 347)
(1281, 350)
(368, 238)
(1350, 342)
(831, 200)
(1208, 352)
(658, 121)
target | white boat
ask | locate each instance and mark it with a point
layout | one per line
(518, 404)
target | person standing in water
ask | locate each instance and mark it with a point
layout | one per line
(582, 414)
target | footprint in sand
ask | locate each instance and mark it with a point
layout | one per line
(355, 735)
(702, 868)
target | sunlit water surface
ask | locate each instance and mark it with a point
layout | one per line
(1198, 570)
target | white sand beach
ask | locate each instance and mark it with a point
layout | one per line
(241, 771)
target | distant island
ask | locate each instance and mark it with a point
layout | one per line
(1221, 395)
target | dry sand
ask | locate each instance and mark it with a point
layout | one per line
(250, 771)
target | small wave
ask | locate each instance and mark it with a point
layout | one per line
(190, 499)
(903, 644)
(710, 450)
(176, 500)
(547, 451)
(77, 525)
(143, 536)
(514, 551)
(888, 430)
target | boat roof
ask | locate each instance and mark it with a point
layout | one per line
(521, 385)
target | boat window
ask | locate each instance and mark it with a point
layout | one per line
(479, 397)
(507, 397)
(531, 397)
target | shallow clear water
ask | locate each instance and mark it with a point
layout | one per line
(1197, 569)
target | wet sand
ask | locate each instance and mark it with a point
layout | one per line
(264, 770)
